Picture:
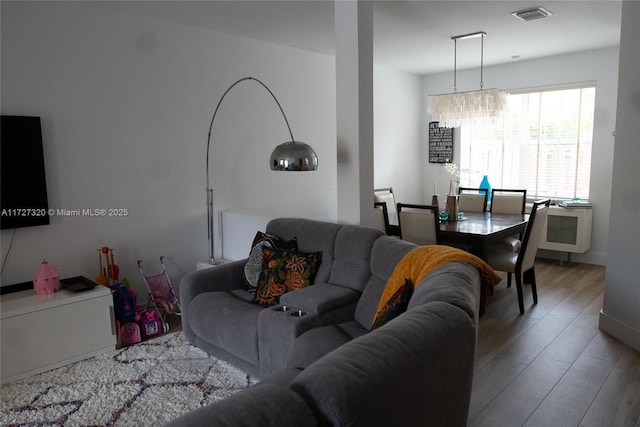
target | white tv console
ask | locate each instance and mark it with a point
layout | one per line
(43, 332)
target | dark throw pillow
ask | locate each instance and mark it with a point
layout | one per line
(285, 270)
(253, 266)
(395, 305)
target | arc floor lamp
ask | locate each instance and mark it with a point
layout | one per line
(290, 156)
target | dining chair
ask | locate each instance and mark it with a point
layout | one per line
(522, 262)
(472, 199)
(419, 224)
(508, 201)
(385, 195)
(381, 216)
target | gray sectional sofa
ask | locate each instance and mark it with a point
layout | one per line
(328, 367)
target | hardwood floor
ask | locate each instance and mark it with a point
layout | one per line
(553, 366)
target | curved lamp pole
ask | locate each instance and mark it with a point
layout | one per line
(290, 156)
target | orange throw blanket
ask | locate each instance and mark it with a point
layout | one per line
(416, 264)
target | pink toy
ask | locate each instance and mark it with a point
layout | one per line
(161, 294)
(149, 321)
(47, 280)
(129, 334)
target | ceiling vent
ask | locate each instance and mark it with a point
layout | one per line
(531, 14)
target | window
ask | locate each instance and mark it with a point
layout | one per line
(543, 144)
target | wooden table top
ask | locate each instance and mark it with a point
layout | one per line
(483, 224)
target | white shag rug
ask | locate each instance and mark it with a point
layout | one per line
(147, 384)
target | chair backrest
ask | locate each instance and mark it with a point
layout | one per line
(472, 199)
(508, 201)
(385, 195)
(381, 216)
(419, 224)
(532, 235)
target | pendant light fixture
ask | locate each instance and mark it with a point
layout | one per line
(478, 106)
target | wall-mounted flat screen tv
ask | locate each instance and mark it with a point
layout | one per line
(23, 194)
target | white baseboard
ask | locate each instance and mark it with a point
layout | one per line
(589, 257)
(619, 330)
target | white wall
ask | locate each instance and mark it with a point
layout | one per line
(126, 103)
(598, 65)
(353, 29)
(620, 314)
(398, 129)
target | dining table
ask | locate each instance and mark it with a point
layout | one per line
(476, 231)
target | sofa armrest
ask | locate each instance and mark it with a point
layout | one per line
(261, 405)
(320, 298)
(224, 277)
(457, 283)
(321, 304)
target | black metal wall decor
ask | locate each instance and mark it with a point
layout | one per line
(440, 144)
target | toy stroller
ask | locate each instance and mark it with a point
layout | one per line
(161, 294)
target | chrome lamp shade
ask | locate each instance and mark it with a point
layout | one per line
(294, 156)
(289, 156)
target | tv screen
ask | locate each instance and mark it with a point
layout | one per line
(23, 194)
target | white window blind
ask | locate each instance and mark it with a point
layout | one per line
(543, 145)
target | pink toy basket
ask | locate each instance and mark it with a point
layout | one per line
(129, 334)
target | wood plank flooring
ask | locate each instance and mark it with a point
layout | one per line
(553, 366)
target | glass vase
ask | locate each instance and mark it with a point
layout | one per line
(485, 184)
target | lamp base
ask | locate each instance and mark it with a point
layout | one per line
(202, 265)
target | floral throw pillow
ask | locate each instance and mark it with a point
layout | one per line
(253, 266)
(395, 305)
(285, 270)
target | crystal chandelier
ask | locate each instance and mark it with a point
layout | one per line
(478, 106)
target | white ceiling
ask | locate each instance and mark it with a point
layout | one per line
(413, 36)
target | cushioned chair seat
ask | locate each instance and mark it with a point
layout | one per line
(227, 321)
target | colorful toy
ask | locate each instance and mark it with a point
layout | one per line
(129, 333)
(161, 294)
(47, 280)
(149, 321)
(109, 271)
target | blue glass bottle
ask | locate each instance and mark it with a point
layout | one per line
(485, 184)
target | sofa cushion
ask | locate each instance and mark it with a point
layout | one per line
(285, 270)
(226, 321)
(415, 371)
(243, 294)
(395, 305)
(385, 254)
(320, 298)
(253, 266)
(316, 343)
(352, 264)
(312, 236)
